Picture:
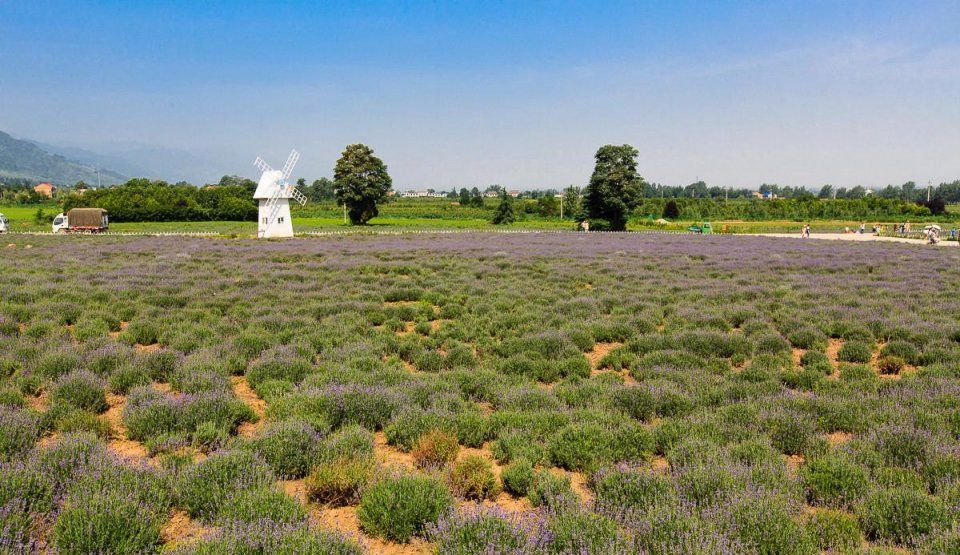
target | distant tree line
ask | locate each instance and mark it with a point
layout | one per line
(811, 208)
(143, 200)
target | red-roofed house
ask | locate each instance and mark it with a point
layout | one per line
(45, 189)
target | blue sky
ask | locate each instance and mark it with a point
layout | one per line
(520, 93)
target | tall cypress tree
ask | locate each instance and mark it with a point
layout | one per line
(504, 212)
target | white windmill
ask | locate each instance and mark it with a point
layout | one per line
(273, 195)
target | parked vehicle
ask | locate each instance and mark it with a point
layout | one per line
(705, 227)
(4, 224)
(81, 220)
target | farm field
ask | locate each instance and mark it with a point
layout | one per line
(478, 393)
(437, 214)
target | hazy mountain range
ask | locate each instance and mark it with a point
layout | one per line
(65, 165)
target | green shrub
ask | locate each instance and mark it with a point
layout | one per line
(855, 351)
(125, 378)
(473, 429)
(19, 431)
(834, 531)
(257, 504)
(574, 532)
(347, 442)
(764, 524)
(706, 485)
(584, 446)
(11, 398)
(141, 332)
(518, 477)
(818, 361)
(160, 364)
(472, 478)
(808, 338)
(790, 433)
(106, 523)
(900, 515)
(435, 449)
(946, 541)
(478, 530)
(204, 488)
(272, 369)
(638, 402)
(81, 390)
(856, 372)
(290, 447)
(55, 364)
(625, 487)
(341, 481)
(25, 488)
(398, 508)
(552, 492)
(771, 344)
(239, 538)
(941, 471)
(77, 420)
(407, 427)
(834, 481)
(892, 477)
(903, 446)
(903, 350)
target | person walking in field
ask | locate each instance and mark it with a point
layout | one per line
(585, 225)
(805, 232)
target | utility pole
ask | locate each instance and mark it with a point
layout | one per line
(928, 191)
(561, 206)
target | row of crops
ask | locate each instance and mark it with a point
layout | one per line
(478, 393)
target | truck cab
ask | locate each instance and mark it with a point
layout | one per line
(4, 224)
(60, 224)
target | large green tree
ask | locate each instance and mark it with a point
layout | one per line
(362, 181)
(615, 187)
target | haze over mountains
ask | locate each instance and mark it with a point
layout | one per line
(67, 164)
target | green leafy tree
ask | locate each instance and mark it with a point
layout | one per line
(615, 187)
(548, 205)
(572, 205)
(362, 181)
(504, 213)
(670, 210)
(320, 189)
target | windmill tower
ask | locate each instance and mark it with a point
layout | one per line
(273, 196)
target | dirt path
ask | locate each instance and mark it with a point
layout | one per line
(344, 520)
(389, 455)
(833, 349)
(119, 443)
(866, 237)
(599, 351)
(181, 529)
(243, 391)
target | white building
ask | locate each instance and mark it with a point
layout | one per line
(273, 199)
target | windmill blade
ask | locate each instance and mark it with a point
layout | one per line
(264, 167)
(288, 167)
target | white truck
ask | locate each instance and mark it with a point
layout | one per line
(4, 224)
(81, 220)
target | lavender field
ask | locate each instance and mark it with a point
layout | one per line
(479, 393)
